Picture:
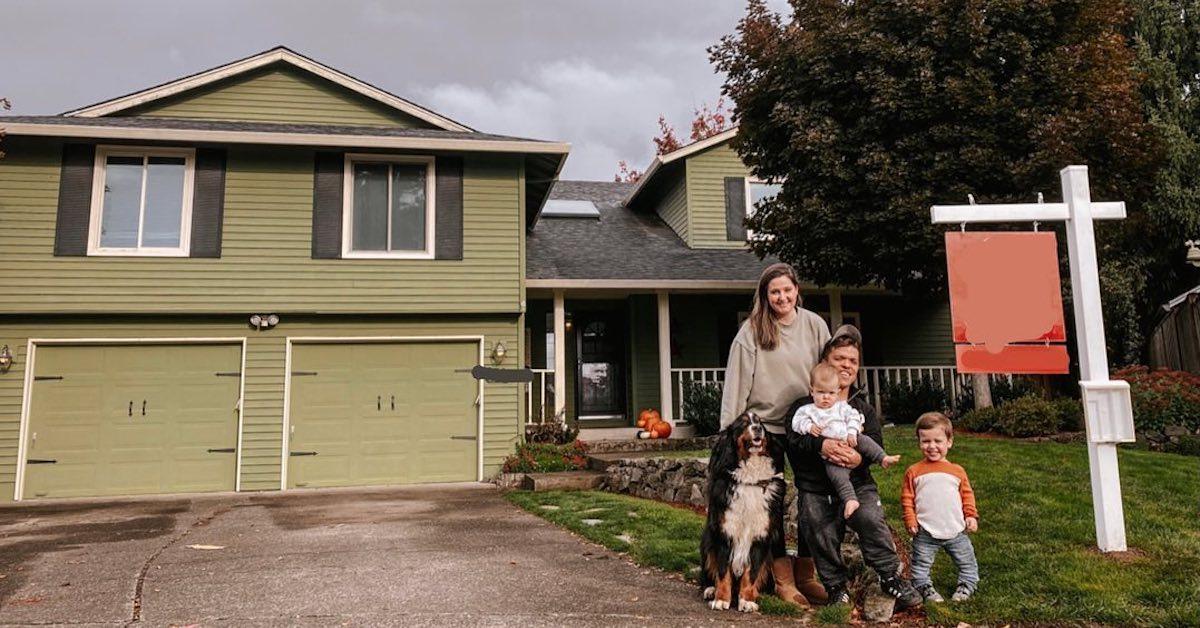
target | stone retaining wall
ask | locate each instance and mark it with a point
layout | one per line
(678, 480)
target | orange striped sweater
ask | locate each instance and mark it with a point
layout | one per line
(938, 497)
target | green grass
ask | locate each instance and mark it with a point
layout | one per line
(836, 614)
(1036, 542)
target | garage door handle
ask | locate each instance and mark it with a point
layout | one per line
(130, 408)
(222, 450)
(462, 438)
(378, 402)
(302, 453)
(40, 461)
(393, 402)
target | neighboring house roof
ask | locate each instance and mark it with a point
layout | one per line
(675, 155)
(278, 54)
(624, 245)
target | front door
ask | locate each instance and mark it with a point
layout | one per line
(601, 356)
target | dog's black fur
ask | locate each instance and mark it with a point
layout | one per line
(734, 447)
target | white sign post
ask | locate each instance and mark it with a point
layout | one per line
(1106, 403)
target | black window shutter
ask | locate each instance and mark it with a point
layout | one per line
(735, 208)
(327, 206)
(208, 202)
(448, 196)
(74, 200)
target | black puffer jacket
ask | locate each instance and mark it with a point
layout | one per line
(804, 450)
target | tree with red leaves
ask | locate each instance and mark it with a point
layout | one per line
(706, 122)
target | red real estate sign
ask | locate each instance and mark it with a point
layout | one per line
(1006, 302)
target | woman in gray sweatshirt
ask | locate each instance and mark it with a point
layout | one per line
(769, 364)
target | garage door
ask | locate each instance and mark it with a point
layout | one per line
(382, 413)
(126, 420)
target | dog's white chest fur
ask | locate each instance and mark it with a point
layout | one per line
(749, 515)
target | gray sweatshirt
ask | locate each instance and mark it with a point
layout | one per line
(767, 382)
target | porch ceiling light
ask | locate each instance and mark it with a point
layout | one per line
(498, 352)
(1193, 252)
(567, 322)
(6, 359)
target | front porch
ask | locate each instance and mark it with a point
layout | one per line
(626, 348)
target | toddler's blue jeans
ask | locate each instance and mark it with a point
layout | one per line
(925, 547)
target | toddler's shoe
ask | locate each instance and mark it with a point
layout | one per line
(901, 589)
(930, 594)
(838, 595)
(962, 593)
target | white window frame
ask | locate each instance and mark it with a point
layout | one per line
(348, 206)
(100, 171)
(750, 181)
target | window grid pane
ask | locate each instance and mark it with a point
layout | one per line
(370, 211)
(407, 226)
(162, 209)
(121, 210)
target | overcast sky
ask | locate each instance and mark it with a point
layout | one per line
(596, 74)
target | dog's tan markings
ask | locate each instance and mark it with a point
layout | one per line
(747, 594)
(724, 592)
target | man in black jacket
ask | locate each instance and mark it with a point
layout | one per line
(820, 510)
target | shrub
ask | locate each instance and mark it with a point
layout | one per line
(1005, 389)
(979, 420)
(702, 407)
(552, 432)
(904, 402)
(1162, 397)
(1028, 416)
(1070, 414)
(546, 457)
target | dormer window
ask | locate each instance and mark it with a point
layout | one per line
(757, 191)
(388, 207)
(141, 201)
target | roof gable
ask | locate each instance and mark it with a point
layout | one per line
(248, 89)
(683, 153)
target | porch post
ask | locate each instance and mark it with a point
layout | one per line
(835, 309)
(664, 357)
(560, 356)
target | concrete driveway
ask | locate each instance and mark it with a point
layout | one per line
(429, 555)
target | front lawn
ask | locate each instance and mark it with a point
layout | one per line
(1035, 543)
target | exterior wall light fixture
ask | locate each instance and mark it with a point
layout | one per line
(263, 321)
(498, 352)
(1193, 252)
(6, 359)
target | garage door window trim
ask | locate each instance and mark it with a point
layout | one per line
(287, 387)
(376, 189)
(31, 364)
(138, 194)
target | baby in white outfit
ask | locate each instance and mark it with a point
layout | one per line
(831, 418)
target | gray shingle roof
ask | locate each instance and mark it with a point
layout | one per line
(256, 127)
(624, 244)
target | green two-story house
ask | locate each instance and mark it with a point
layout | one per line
(263, 276)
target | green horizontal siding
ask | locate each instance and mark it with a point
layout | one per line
(706, 174)
(264, 386)
(266, 261)
(673, 209)
(902, 332)
(278, 93)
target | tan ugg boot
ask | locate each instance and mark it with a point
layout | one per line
(806, 581)
(785, 585)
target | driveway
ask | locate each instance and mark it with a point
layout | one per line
(430, 555)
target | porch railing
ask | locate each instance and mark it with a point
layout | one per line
(539, 396)
(680, 378)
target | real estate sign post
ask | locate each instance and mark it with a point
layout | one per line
(1106, 404)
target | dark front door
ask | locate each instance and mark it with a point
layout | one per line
(601, 380)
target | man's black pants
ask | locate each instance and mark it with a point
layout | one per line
(823, 528)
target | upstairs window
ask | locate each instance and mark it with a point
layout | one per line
(757, 191)
(388, 207)
(142, 201)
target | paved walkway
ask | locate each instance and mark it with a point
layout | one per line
(429, 555)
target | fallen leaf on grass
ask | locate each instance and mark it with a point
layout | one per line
(206, 547)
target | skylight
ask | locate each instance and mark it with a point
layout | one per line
(558, 208)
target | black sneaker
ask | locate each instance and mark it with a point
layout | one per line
(838, 595)
(901, 589)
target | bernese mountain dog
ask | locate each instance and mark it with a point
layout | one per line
(745, 515)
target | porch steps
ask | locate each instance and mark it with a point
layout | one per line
(563, 481)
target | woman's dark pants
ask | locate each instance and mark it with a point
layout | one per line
(780, 550)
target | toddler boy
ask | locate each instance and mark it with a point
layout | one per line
(939, 510)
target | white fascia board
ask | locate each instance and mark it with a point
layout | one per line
(643, 284)
(284, 139)
(142, 97)
(679, 153)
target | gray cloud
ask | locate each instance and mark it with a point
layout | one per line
(595, 74)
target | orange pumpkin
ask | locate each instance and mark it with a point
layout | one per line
(648, 417)
(662, 429)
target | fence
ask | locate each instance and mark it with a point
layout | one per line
(539, 396)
